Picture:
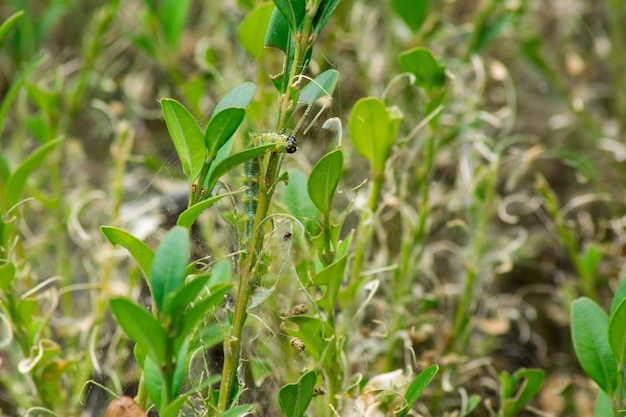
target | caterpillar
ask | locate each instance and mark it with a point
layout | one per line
(252, 172)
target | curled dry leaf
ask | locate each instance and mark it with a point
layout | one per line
(124, 407)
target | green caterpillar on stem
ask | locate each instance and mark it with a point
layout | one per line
(252, 172)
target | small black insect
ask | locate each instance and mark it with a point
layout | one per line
(292, 145)
(287, 236)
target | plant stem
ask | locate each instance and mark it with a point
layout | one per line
(248, 277)
(479, 215)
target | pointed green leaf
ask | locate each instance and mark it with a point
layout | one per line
(186, 136)
(17, 180)
(8, 24)
(200, 308)
(254, 23)
(295, 398)
(172, 16)
(324, 179)
(296, 198)
(589, 334)
(331, 278)
(617, 332)
(141, 252)
(9, 96)
(190, 215)
(220, 168)
(620, 294)
(186, 294)
(141, 327)
(415, 389)
(221, 127)
(168, 267)
(326, 9)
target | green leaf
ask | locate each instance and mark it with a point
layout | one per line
(324, 179)
(591, 344)
(603, 406)
(617, 332)
(254, 23)
(172, 15)
(323, 85)
(295, 398)
(179, 370)
(280, 37)
(331, 278)
(186, 136)
(418, 385)
(292, 11)
(7, 275)
(141, 252)
(412, 12)
(531, 385)
(296, 198)
(17, 180)
(312, 331)
(620, 294)
(420, 62)
(200, 309)
(219, 168)
(186, 294)
(190, 215)
(168, 267)
(153, 379)
(240, 96)
(372, 131)
(221, 127)
(489, 25)
(8, 24)
(141, 327)
(15, 87)
(323, 14)
(590, 259)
